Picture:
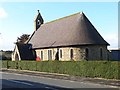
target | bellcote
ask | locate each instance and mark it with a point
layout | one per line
(38, 21)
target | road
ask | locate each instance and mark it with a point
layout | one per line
(21, 81)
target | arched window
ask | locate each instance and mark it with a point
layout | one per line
(49, 54)
(86, 54)
(101, 54)
(16, 57)
(41, 55)
(38, 22)
(57, 54)
(71, 53)
(60, 53)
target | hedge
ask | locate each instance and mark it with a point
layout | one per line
(101, 69)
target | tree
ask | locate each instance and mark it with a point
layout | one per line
(5, 55)
(22, 39)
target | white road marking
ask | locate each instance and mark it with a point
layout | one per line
(51, 88)
(21, 82)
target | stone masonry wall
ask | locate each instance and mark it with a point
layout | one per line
(78, 53)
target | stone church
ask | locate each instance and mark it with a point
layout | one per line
(69, 38)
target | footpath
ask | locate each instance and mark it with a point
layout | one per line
(110, 82)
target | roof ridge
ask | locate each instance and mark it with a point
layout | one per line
(61, 18)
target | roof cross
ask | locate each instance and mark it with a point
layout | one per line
(38, 11)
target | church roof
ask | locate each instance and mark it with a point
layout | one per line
(25, 52)
(75, 29)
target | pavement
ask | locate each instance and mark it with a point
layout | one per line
(101, 81)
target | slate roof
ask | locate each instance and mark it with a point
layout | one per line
(25, 52)
(75, 29)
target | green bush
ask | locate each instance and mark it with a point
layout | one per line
(4, 64)
(101, 69)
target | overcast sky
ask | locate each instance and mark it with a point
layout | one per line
(17, 18)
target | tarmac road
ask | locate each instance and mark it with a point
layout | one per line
(27, 82)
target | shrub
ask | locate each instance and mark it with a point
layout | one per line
(102, 69)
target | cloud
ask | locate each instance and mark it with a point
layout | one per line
(1, 41)
(3, 13)
(6, 43)
(112, 39)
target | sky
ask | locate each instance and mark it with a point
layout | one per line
(17, 18)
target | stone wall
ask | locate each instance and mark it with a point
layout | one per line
(79, 53)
